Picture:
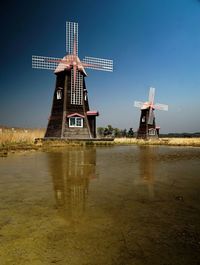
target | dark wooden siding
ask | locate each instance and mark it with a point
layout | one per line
(58, 125)
(144, 126)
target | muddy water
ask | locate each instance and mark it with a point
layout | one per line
(93, 206)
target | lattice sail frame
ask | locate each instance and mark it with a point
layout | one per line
(72, 38)
(151, 105)
(138, 104)
(98, 64)
(43, 62)
(77, 91)
(151, 95)
(151, 116)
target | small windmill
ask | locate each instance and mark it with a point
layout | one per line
(70, 114)
(147, 127)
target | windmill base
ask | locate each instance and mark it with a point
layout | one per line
(146, 130)
(152, 133)
(146, 136)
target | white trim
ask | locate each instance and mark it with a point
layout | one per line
(76, 119)
(152, 131)
(59, 94)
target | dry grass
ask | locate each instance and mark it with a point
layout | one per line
(125, 141)
(183, 141)
(161, 141)
(19, 136)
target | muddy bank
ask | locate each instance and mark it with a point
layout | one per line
(40, 144)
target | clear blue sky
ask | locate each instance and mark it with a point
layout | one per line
(152, 42)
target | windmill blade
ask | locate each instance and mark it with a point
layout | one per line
(151, 116)
(151, 94)
(76, 87)
(138, 104)
(72, 38)
(98, 64)
(161, 106)
(42, 62)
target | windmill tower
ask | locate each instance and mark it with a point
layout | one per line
(71, 117)
(147, 126)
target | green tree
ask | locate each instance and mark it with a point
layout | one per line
(100, 131)
(116, 132)
(130, 133)
(124, 133)
(108, 131)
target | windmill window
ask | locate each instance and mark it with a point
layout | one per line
(59, 94)
(75, 122)
(143, 119)
(85, 94)
(152, 131)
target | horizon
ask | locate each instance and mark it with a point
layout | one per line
(152, 44)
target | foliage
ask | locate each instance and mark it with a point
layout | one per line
(109, 131)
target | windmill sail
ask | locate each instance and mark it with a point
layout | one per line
(72, 38)
(76, 88)
(138, 104)
(151, 95)
(151, 116)
(98, 64)
(161, 106)
(43, 62)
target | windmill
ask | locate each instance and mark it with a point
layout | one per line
(147, 127)
(70, 114)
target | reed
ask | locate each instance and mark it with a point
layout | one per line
(160, 141)
(19, 136)
(183, 141)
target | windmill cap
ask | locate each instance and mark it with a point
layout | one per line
(146, 105)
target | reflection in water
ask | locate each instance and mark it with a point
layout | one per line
(71, 172)
(147, 160)
(121, 223)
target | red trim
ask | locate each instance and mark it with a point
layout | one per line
(75, 114)
(92, 113)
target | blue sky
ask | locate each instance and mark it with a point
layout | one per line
(152, 42)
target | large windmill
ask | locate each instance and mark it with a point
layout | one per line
(70, 114)
(147, 126)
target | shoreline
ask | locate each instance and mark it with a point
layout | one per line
(13, 147)
(192, 142)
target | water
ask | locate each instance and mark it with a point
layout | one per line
(122, 205)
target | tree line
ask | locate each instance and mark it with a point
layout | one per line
(109, 131)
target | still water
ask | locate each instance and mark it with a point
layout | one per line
(121, 205)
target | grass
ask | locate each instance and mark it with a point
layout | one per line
(161, 141)
(19, 138)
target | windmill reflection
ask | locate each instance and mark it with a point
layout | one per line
(71, 172)
(147, 168)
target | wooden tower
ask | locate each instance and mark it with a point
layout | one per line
(147, 126)
(71, 117)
